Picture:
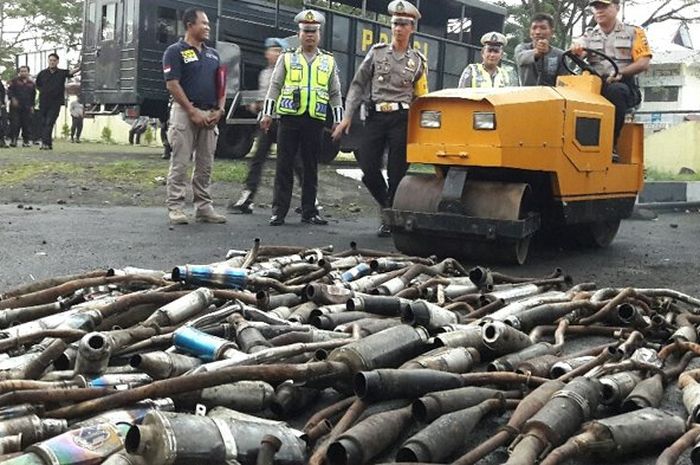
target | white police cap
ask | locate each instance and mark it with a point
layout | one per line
(310, 18)
(494, 38)
(403, 8)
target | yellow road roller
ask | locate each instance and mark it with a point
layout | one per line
(512, 162)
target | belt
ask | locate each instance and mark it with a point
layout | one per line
(388, 107)
(205, 106)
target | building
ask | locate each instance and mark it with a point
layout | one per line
(671, 99)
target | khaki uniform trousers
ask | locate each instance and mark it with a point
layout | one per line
(190, 143)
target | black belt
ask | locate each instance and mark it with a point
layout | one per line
(205, 106)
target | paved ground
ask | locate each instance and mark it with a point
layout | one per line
(51, 240)
(43, 239)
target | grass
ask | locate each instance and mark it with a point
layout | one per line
(652, 174)
(74, 161)
(17, 172)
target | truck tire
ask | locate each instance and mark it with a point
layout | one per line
(235, 141)
(329, 149)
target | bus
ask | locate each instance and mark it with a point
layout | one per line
(124, 41)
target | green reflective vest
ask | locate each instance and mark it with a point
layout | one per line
(305, 88)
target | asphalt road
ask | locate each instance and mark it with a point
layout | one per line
(54, 240)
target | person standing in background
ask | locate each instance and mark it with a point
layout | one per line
(77, 113)
(51, 83)
(273, 49)
(22, 94)
(3, 116)
(487, 73)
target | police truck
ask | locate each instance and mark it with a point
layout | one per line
(124, 41)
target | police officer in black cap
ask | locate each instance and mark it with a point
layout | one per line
(393, 75)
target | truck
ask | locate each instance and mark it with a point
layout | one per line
(124, 41)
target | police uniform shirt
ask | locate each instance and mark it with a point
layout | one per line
(542, 71)
(624, 44)
(196, 71)
(278, 77)
(391, 77)
(476, 72)
(264, 79)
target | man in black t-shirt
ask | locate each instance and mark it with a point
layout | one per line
(51, 83)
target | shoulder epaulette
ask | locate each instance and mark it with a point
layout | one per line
(380, 45)
(420, 54)
(325, 52)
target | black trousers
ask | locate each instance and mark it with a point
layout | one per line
(137, 134)
(49, 114)
(76, 128)
(21, 119)
(297, 134)
(257, 162)
(384, 129)
(3, 124)
(623, 97)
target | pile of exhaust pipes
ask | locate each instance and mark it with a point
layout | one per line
(289, 356)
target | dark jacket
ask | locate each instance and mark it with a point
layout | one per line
(23, 91)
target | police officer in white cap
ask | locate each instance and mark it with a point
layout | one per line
(391, 75)
(487, 73)
(304, 86)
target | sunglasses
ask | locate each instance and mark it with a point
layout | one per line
(308, 30)
(493, 49)
(401, 22)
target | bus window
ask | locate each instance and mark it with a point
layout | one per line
(109, 21)
(129, 21)
(167, 25)
(341, 34)
(90, 24)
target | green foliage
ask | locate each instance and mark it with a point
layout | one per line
(106, 135)
(53, 21)
(65, 130)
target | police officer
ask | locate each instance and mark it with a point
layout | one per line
(539, 62)
(487, 73)
(627, 46)
(304, 83)
(273, 49)
(392, 75)
(190, 68)
(22, 94)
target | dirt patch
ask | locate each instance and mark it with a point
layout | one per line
(104, 175)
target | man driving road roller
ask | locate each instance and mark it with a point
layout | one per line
(627, 46)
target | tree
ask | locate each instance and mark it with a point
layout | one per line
(571, 17)
(22, 21)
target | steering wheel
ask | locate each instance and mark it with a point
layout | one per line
(584, 65)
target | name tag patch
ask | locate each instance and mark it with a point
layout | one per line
(188, 56)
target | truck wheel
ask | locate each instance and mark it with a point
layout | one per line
(234, 141)
(329, 149)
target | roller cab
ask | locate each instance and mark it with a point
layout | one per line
(510, 162)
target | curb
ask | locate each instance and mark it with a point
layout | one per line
(670, 192)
